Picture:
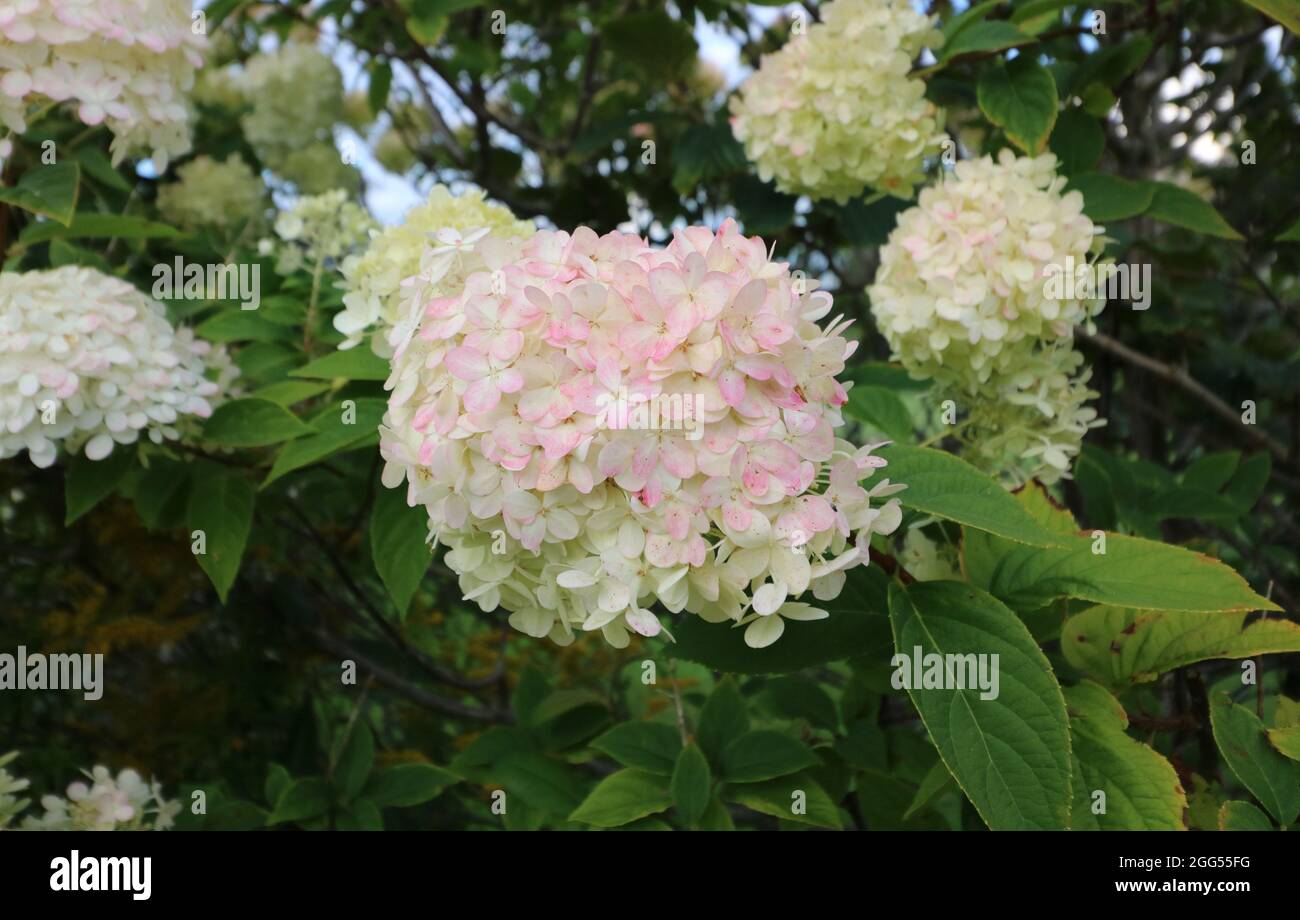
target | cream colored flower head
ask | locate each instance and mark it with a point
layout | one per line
(433, 247)
(835, 112)
(128, 64)
(87, 362)
(214, 194)
(596, 427)
(964, 277)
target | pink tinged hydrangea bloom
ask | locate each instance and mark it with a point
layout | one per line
(124, 63)
(596, 426)
(88, 362)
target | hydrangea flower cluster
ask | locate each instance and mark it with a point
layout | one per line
(594, 425)
(318, 229)
(213, 194)
(834, 112)
(87, 361)
(296, 94)
(963, 296)
(107, 803)
(428, 255)
(126, 63)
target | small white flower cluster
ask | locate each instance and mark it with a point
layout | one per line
(296, 94)
(107, 803)
(400, 262)
(126, 63)
(318, 229)
(927, 560)
(214, 194)
(10, 787)
(86, 360)
(962, 297)
(503, 421)
(834, 112)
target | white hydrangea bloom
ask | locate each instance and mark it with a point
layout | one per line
(834, 112)
(318, 229)
(296, 94)
(125, 63)
(926, 560)
(216, 194)
(1032, 424)
(107, 803)
(88, 362)
(963, 296)
(433, 247)
(573, 515)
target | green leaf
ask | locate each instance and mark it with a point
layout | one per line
(99, 167)
(649, 746)
(1142, 791)
(798, 798)
(353, 364)
(398, 544)
(407, 784)
(984, 36)
(1132, 572)
(1011, 753)
(361, 815)
(722, 720)
(236, 816)
(237, 325)
(856, 626)
(1173, 204)
(221, 506)
(50, 191)
(542, 782)
(799, 697)
(355, 761)
(1243, 816)
(332, 435)
(1110, 64)
(90, 481)
(1120, 646)
(301, 800)
(943, 485)
(692, 785)
(1019, 97)
(290, 392)
(568, 717)
(1078, 142)
(973, 13)
(881, 408)
(763, 754)
(277, 780)
(1271, 778)
(717, 817)
(1290, 235)
(933, 786)
(381, 79)
(651, 42)
(1286, 740)
(870, 224)
(157, 491)
(704, 152)
(93, 225)
(251, 422)
(1284, 11)
(1109, 198)
(623, 797)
